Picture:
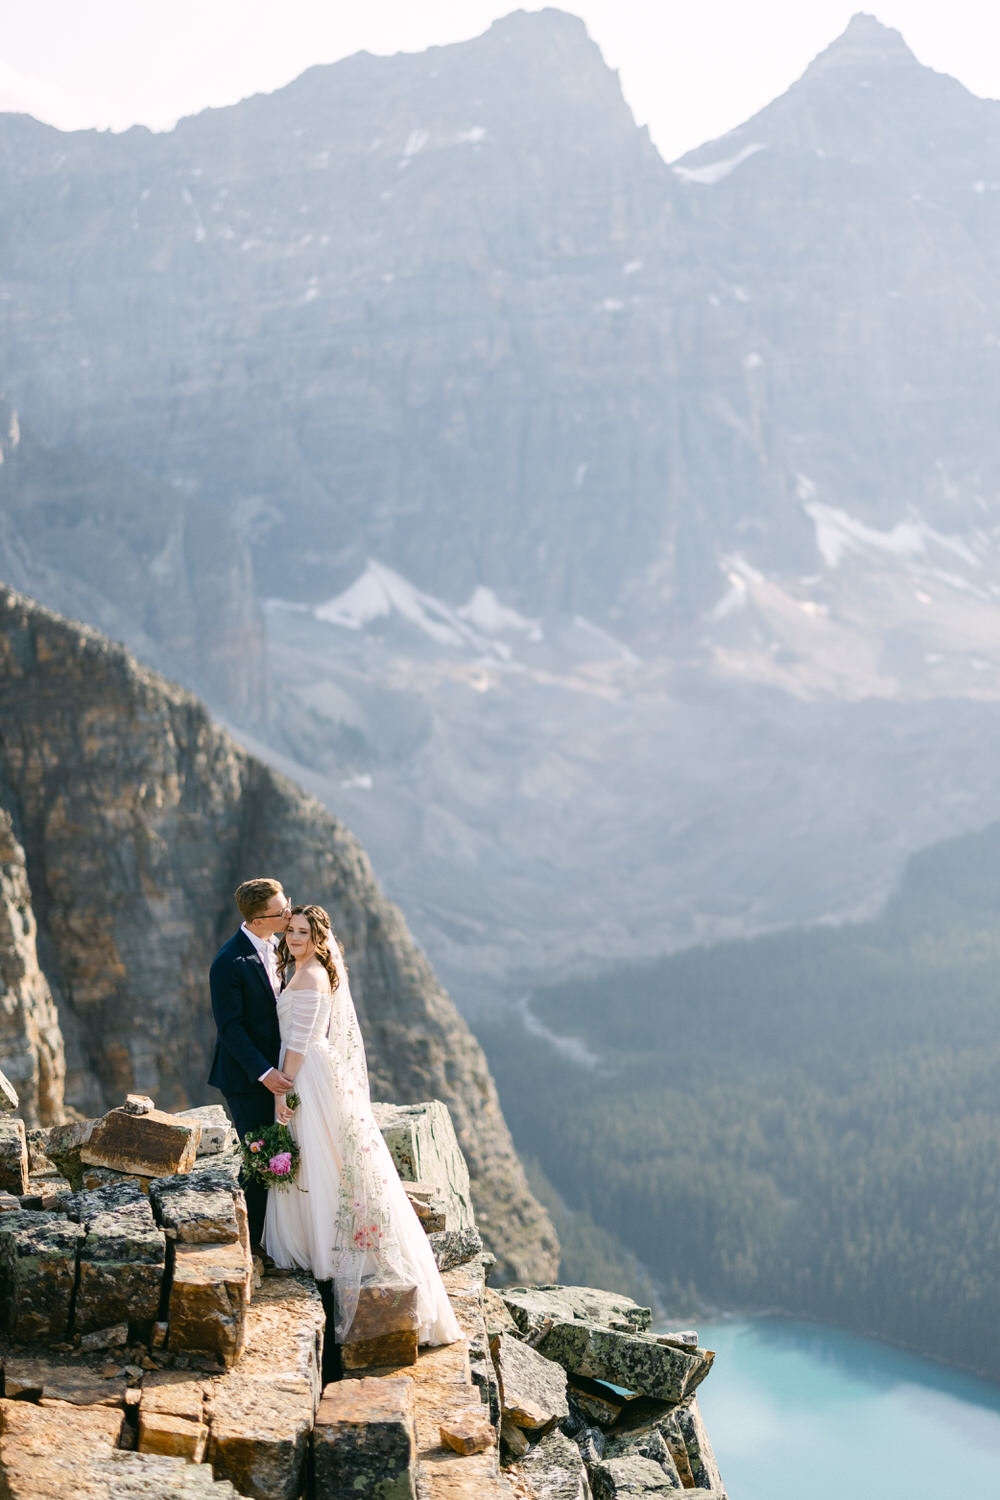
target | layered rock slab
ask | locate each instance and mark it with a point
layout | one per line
(384, 1328)
(422, 1142)
(532, 1388)
(636, 1361)
(13, 1156)
(37, 1274)
(122, 1260)
(633, 1478)
(197, 1208)
(261, 1413)
(152, 1144)
(210, 1292)
(535, 1309)
(365, 1440)
(47, 1450)
(54, 1377)
(553, 1470)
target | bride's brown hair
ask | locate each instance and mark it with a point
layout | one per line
(322, 936)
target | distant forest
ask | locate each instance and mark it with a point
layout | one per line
(808, 1121)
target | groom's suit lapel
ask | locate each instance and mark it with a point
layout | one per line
(257, 964)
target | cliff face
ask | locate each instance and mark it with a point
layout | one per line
(137, 817)
(143, 561)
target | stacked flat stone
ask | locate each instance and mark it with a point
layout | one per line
(628, 1398)
(224, 1396)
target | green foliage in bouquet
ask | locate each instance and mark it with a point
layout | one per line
(270, 1156)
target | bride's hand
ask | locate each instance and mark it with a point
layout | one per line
(281, 1111)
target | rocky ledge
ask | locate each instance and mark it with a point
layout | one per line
(145, 1355)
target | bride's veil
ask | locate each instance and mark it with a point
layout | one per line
(373, 1242)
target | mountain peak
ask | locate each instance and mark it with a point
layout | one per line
(865, 41)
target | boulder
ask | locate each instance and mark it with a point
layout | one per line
(422, 1142)
(284, 1330)
(138, 1104)
(174, 1393)
(553, 1470)
(645, 1442)
(115, 1337)
(598, 1402)
(122, 1264)
(633, 1478)
(48, 1190)
(37, 1274)
(532, 1388)
(498, 1319)
(8, 1095)
(93, 1178)
(686, 1339)
(8, 1203)
(154, 1144)
(635, 1361)
(453, 1246)
(217, 1131)
(13, 1156)
(261, 1412)
(684, 1432)
(53, 1377)
(513, 1443)
(259, 1434)
(122, 1258)
(155, 1476)
(468, 1431)
(535, 1308)
(62, 1145)
(209, 1295)
(196, 1208)
(159, 1432)
(365, 1442)
(48, 1450)
(384, 1329)
(429, 1204)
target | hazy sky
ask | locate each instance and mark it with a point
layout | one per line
(690, 70)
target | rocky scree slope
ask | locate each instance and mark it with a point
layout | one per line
(126, 820)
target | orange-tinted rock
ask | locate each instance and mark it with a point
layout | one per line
(161, 1433)
(150, 1145)
(364, 1441)
(468, 1431)
(396, 1348)
(209, 1296)
(45, 1451)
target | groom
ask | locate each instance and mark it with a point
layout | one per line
(244, 983)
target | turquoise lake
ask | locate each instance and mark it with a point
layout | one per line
(798, 1411)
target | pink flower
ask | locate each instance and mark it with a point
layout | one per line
(256, 1145)
(281, 1164)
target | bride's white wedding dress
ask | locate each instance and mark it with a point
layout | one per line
(347, 1217)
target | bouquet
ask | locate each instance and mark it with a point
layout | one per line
(270, 1156)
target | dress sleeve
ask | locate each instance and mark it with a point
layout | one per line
(305, 1009)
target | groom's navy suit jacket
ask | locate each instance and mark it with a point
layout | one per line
(249, 1040)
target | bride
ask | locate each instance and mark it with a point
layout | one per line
(353, 1224)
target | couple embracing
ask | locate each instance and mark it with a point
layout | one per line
(286, 1022)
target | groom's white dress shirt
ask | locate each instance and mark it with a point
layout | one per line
(269, 958)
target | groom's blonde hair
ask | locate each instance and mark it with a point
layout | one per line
(253, 897)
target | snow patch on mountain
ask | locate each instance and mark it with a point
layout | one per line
(838, 534)
(715, 171)
(485, 612)
(381, 593)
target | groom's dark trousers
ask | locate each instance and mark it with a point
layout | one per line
(249, 1042)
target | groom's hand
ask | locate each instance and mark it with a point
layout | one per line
(277, 1082)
